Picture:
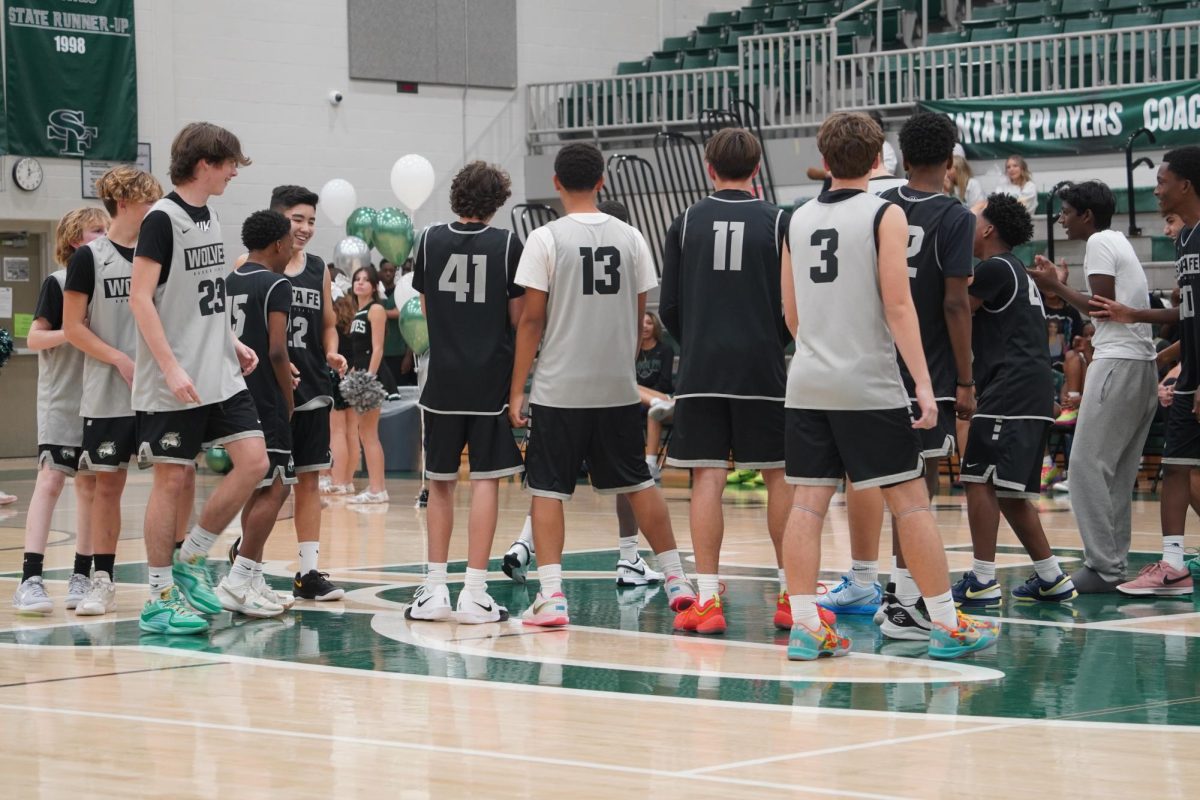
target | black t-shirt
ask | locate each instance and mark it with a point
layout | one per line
(50, 303)
(81, 269)
(156, 239)
(1063, 324)
(466, 271)
(941, 234)
(253, 293)
(1187, 273)
(1012, 367)
(721, 299)
(654, 368)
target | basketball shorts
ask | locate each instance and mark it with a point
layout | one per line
(64, 458)
(310, 440)
(610, 440)
(177, 437)
(938, 441)
(280, 467)
(1183, 433)
(109, 443)
(710, 429)
(874, 448)
(1007, 452)
(491, 450)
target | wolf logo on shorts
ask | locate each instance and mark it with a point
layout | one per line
(170, 441)
(106, 449)
(68, 453)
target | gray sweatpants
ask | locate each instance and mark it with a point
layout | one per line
(1119, 397)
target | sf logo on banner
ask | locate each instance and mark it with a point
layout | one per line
(67, 126)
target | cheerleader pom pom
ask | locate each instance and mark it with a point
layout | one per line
(363, 391)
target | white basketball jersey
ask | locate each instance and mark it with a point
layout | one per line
(105, 392)
(60, 370)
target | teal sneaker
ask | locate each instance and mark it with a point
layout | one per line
(168, 614)
(806, 645)
(191, 576)
(970, 635)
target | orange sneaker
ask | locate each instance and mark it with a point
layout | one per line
(783, 613)
(702, 617)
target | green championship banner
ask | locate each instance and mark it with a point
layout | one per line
(71, 79)
(1077, 123)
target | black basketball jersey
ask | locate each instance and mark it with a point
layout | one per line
(721, 298)
(254, 292)
(1187, 272)
(306, 345)
(466, 271)
(941, 235)
(1008, 338)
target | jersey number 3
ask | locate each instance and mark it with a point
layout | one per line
(827, 270)
(459, 278)
(608, 260)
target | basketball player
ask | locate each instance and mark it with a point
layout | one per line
(586, 276)
(188, 388)
(97, 320)
(464, 272)
(720, 300)
(847, 411)
(1178, 193)
(1002, 462)
(60, 430)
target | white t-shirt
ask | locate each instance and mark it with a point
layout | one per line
(593, 267)
(1110, 253)
(1027, 194)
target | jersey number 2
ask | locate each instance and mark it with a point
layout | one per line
(458, 278)
(608, 259)
(827, 270)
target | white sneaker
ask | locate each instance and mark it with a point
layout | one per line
(77, 589)
(430, 603)
(324, 485)
(478, 609)
(369, 498)
(101, 597)
(680, 593)
(31, 597)
(285, 599)
(636, 573)
(660, 410)
(516, 561)
(246, 600)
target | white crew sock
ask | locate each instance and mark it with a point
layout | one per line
(309, 551)
(476, 581)
(242, 572)
(942, 611)
(864, 573)
(550, 577)
(258, 571)
(985, 571)
(527, 533)
(906, 588)
(707, 587)
(161, 579)
(198, 543)
(782, 580)
(1047, 569)
(669, 563)
(804, 611)
(629, 548)
(435, 574)
(1173, 551)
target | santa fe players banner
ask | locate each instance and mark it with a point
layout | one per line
(71, 79)
(1086, 122)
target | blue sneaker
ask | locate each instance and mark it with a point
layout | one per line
(1060, 590)
(850, 598)
(193, 581)
(806, 645)
(970, 592)
(970, 635)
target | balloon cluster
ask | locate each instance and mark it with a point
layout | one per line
(388, 230)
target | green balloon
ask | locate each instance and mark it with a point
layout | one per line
(413, 327)
(393, 235)
(218, 460)
(361, 223)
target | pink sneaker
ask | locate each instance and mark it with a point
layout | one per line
(547, 612)
(1159, 579)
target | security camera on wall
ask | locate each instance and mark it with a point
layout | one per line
(335, 98)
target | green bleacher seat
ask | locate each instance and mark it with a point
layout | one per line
(717, 18)
(1114, 6)
(745, 28)
(1027, 29)
(1136, 19)
(819, 10)
(1161, 248)
(704, 40)
(664, 63)
(1079, 8)
(1173, 16)
(759, 3)
(988, 15)
(632, 67)
(754, 14)
(1034, 11)
(726, 58)
(1086, 24)
(786, 11)
(991, 34)
(704, 61)
(674, 44)
(945, 38)
(777, 25)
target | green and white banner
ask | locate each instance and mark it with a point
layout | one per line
(71, 79)
(1077, 123)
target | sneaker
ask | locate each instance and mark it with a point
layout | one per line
(547, 612)
(285, 599)
(194, 583)
(850, 598)
(757, 480)
(100, 598)
(636, 573)
(246, 599)
(1159, 579)
(169, 614)
(905, 623)
(969, 592)
(740, 476)
(429, 604)
(1067, 418)
(783, 613)
(702, 617)
(661, 410)
(968, 637)
(325, 485)
(680, 593)
(516, 562)
(77, 588)
(1050, 475)
(315, 585)
(807, 645)
(368, 498)
(31, 597)
(478, 609)
(1060, 590)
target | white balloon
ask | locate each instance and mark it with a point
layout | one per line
(412, 180)
(404, 290)
(337, 200)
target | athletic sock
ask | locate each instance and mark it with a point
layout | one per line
(942, 611)
(865, 574)
(106, 562)
(1173, 551)
(258, 571)
(476, 581)
(308, 556)
(707, 587)
(550, 577)
(804, 611)
(83, 565)
(242, 572)
(31, 567)
(629, 548)
(906, 588)
(1048, 569)
(435, 573)
(782, 580)
(161, 579)
(669, 563)
(527, 533)
(985, 571)
(197, 544)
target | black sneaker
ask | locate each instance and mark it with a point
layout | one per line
(316, 586)
(233, 550)
(905, 622)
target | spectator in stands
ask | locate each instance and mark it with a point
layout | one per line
(1063, 321)
(1018, 182)
(1074, 371)
(655, 363)
(961, 184)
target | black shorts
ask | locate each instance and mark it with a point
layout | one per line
(310, 440)
(109, 443)
(938, 441)
(874, 448)
(280, 466)
(491, 450)
(609, 439)
(1183, 433)
(709, 429)
(177, 437)
(339, 402)
(64, 458)
(1007, 452)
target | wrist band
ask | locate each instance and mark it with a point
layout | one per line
(965, 384)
